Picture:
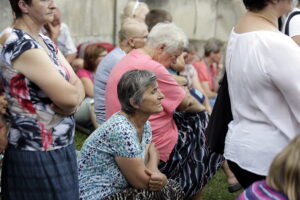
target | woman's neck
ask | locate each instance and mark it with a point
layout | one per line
(147, 50)
(27, 25)
(267, 17)
(138, 119)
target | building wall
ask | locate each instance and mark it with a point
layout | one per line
(98, 20)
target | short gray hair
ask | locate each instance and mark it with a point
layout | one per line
(213, 45)
(133, 85)
(169, 34)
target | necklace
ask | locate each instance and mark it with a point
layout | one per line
(266, 19)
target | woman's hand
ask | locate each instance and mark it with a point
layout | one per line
(60, 111)
(3, 104)
(157, 180)
(3, 135)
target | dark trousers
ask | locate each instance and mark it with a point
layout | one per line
(244, 177)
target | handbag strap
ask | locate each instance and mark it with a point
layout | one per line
(287, 24)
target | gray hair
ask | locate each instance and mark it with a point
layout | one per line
(133, 85)
(169, 34)
(213, 45)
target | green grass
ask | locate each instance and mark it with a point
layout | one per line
(79, 139)
(216, 189)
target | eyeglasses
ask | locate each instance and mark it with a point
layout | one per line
(135, 7)
(141, 37)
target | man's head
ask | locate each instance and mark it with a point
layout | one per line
(133, 33)
(156, 16)
(135, 9)
(167, 42)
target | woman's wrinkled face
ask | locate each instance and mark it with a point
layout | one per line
(151, 102)
(166, 58)
(42, 11)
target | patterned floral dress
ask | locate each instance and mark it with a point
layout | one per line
(35, 129)
(99, 175)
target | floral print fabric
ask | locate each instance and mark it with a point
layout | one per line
(33, 124)
(99, 174)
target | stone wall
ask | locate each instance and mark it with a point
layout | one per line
(98, 20)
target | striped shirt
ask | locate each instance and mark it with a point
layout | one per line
(261, 191)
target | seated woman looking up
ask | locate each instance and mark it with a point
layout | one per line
(85, 115)
(119, 158)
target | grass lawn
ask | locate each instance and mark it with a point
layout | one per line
(216, 189)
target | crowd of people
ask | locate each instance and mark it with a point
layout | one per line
(146, 105)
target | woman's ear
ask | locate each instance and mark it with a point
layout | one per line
(23, 6)
(130, 42)
(161, 48)
(133, 104)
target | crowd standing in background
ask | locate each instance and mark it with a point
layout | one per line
(146, 104)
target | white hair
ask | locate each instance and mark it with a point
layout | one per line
(169, 34)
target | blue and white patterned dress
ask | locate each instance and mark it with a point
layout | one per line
(99, 174)
(34, 125)
(40, 161)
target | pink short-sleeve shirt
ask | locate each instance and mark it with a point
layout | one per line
(164, 129)
(84, 73)
(204, 74)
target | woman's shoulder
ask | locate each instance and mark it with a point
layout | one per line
(117, 121)
(16, 42)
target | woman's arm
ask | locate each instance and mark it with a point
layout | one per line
(196, 84)
(37, 67)
(88, 86)
(143, 176)
(153, 158)
(134, 171)
(208, 92)
(190, 104)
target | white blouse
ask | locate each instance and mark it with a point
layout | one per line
(263, 70)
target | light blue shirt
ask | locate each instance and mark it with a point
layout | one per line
(100, 81)
(99, 174)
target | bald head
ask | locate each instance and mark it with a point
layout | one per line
(131, 29)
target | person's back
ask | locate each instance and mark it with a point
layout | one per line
(262, 67)
(131, 36)
(101, 77)
(282, 182)
(253, 106)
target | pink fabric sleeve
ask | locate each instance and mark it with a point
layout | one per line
(202, 71)
(83, 73)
